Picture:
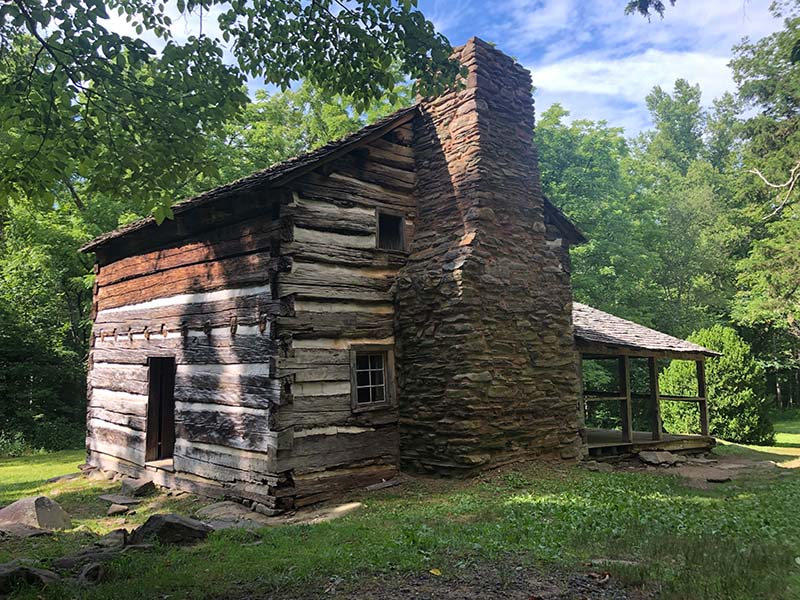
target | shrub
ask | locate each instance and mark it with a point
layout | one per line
(14, 444)
(737, 405)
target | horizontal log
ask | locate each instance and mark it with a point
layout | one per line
(344, 188)
(319, 411)
(314, 280)
(241, 238)
(320, 486)
(321, 252)
(316, 451)
(129, 380)
(307, 325)
(196, 349)
(116, 440)
(225, 464)
(328, 216)
(252, 391)
(237, 271)
(386, 156)
(247, 311)
(390, 178)
(119, 402)
(137, 423)
(304, 235)
(112, 463)
(392, 148)
(302, 358)
(245, 431)
(403, 134)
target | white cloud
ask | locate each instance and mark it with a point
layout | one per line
(605, 60)
(632, 77)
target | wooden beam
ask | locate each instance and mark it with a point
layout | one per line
(655, 397)
(598, 351)
(626, 406)
(702, 392)
(681, 398)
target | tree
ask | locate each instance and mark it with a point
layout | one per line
(45, 284)
(88, 111)
(278, 126)
(647, 8)
(738, 409)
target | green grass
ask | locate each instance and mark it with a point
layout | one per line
(737, 540)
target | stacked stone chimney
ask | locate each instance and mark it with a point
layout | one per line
(486, 355)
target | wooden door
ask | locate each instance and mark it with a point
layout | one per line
(160, 438)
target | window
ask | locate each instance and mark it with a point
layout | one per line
(390, 231)
(372, 372)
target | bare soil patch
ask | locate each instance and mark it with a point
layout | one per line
(503, 579)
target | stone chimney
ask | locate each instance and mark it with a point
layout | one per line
(487, 362)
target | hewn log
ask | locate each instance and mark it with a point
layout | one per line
(327, 216)
(336, 281)
(116, 440)
(225, 464)
(194, 349)
(315, 451)
(245, 431)
(130, 380)
(350, 189)
(119, 402)
(392, 148)
(309, 325)
(237, 271)
(247, 310)
(251, 391)
(311, 251)
(137, 423)
(241, 238)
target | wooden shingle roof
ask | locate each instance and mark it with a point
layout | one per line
(603, 333)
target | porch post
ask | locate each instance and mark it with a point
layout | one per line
(582, 406)
(702, 393)
(655, 397)
(626, 410)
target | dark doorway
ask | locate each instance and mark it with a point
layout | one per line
(161, 409)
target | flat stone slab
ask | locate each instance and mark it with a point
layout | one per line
(117, 509)
(36, 511)
(230, 515)
(137, 487)
(120, 499)
(18, 530)
(657, 457)
(170, 529)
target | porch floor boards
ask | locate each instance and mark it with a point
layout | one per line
(609, 441)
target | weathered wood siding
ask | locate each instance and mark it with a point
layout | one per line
(341, 292)
(209, 301)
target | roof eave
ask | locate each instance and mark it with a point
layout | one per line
(338, 149)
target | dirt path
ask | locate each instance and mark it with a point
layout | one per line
(504, 580)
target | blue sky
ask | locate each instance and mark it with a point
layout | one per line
(586, 54)
(600, 64)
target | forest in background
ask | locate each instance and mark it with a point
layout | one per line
(684, 236)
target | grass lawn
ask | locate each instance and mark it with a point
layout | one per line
(736, 540)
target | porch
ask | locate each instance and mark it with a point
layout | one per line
(617, 344)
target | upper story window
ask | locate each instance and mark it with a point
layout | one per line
(372, 374)
(390, 231)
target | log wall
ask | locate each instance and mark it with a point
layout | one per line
(341, 290)
(208, 301)
(260, 310)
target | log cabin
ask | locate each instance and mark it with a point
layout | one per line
(397, 299)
